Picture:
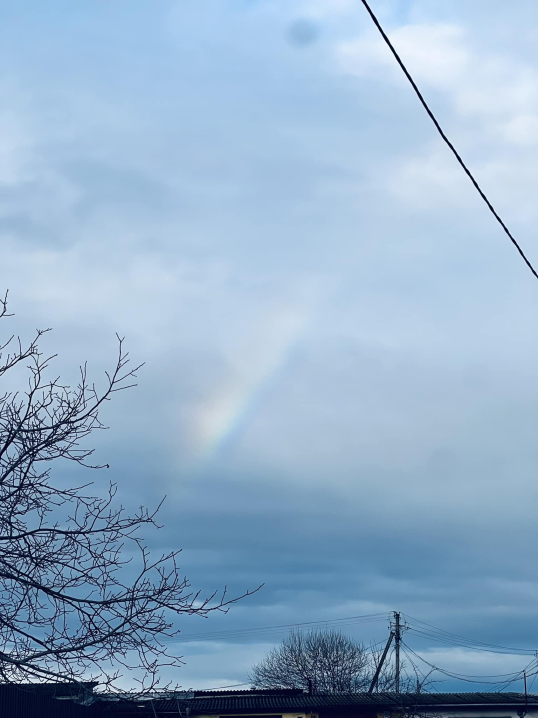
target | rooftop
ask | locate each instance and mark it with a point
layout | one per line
(56, 690)
(204, 702)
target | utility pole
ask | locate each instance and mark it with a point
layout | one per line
(522, 713)
(373, 684)
(397, 639)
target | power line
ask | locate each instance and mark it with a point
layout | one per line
(418, 670)
(455, 639)
(423, 629)
(468, 645)
(270, 630)
(445, 138)
(413, 625)
(259, 631)
(515, 676)
(522, 675)
(497, 686)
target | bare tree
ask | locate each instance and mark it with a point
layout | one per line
(320, 662)
(387, 676)
(70, 607)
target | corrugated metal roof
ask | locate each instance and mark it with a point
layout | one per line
(251, 692)
(56, 689)
(17, 701)
(304, 702)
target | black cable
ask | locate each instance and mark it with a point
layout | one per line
(264, 632)
(417, 669)
(470, 646)
(516, 675)
(438, 630)
(270, 630)
(503, 685)
(463, 641)
(445, 138)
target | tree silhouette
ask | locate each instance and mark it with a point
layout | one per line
(321, 662)
(70, 607)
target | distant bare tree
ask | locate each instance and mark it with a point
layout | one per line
(387, 675)
(70, 609)
(321, 662)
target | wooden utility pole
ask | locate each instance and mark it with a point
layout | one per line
(373, 684)
(397, 639)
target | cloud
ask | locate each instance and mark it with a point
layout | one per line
(522, 130)
(489, 87)
(235, 207)
(485, 100)
(435, 53)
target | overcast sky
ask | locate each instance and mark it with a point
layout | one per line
(339, 397)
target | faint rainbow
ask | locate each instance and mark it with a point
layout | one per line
(224, 418)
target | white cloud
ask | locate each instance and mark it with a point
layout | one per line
(17, 139)
(445, 57)
(429, 180)
(522, 130)
(486, 102)
(435, 53)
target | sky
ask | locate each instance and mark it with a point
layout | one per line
(339, 395)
